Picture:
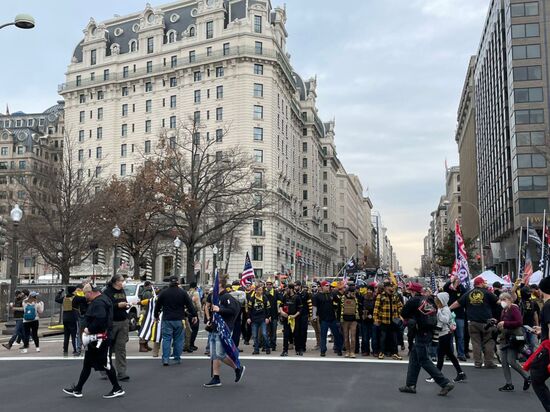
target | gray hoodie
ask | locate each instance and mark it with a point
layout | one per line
(443, 315)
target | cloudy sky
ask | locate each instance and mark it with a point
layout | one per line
(389, 71)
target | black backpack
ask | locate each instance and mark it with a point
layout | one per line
(426, 316)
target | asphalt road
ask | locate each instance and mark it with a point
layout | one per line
(268, 385)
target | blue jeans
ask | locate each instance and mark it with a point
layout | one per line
(172, 330)
(418, 359)
(19, 333)
(459, 336)
(366, 336)
(375, 339)
(335, 330)
(256, 326)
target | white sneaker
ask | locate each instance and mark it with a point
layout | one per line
(430, 380)
(24, 350)
(38, 349)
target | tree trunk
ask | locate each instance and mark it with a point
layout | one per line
(65, 274)
(137, 259)
(190, 264)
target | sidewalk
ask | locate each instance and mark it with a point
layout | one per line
(44, 330)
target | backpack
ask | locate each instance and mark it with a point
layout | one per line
(30, 312)
(426, 317)
(348, 306)
(67, 304)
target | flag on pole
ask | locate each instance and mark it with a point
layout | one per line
(460, 267)
(546, 271)
(221, 327)
(433, 284)
(248, 276)
(528, 268)
(393, 279)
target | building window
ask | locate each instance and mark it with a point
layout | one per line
(304, 178)
(133, 46)
(80, 155)
(197, 117)
(529, 183)
(304, 147)
(78, 80)
(219, 92)
(81, 135)
(148, 106)
(147, 148)
(219, 114)
(124, 110)
(258, 253)
(258, 179)
(209, 51)
(532, 116)
(123, 169)
(99, 133)
(219, 71)
(530, 138)
(171, 37)
(304, 195)
(92, 76)
(258, 134)
(197, 96)
(100, 95)
(536, 205)
(106, 74)
(258, 90)
(124, 130)
(226, 49)
(148, 87)
(257, 24)
(149, 67)
(525, 30)
(258, 112)
(150, 45)
(531, 94)
(98, 152)
(172, 102)
(97, 171)
(259, 69)
(197, 76)
(527, 73)
(192, 31)
(530, 51)
(257, 227)
(100, 113)
(524, 9)
(82, 98)
(125, 91)
(258, 47)
(259, 155)
(304, 162)
(93, 57)
(173, 61)
(173, 82)
(219, 135)
(82, 116)
(530, 160)
(147, 126)
(172, 122)
(209, 29)
(192, 56)
(123, 150)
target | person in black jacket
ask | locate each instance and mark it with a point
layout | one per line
(259, 315)
(172, 302)
(121, 327)
(70, 319)
(367, 311)
(420, 308)
(290, 310)
(97, 329)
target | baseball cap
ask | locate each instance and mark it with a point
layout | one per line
(173, 280)
(544, 285)
(479, 281)
(33, 294)
(497, 285)
(324, 283)
(415, 287)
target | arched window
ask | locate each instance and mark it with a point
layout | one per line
(171, 37)
(133, 46)
(191, 32)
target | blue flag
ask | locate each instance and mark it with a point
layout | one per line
(221, 327)
(433, 284)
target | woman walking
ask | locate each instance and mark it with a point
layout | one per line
(32, 307)
(510, 327)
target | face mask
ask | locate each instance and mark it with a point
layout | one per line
(504, 304)
(124, 284)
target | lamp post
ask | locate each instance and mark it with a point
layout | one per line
(16, 215)
(116, 234)
(21, 21)
(177, 246)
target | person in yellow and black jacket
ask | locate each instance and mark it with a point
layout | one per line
(387, 310)
(259, 314)
(290, 310)
(305, 315)
(274, 298)
(349, 315)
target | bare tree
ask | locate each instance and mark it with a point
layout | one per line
(62, 198)
(207, 187)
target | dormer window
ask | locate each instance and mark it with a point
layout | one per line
(172, 37)
(133, 46)
(192, 32)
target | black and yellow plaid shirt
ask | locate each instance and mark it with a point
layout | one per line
(386, 308)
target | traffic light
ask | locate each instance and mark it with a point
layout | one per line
(3, 231)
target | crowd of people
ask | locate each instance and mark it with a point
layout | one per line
(363, 320)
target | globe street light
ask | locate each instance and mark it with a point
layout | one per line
(177, 245)
(16, 215)
(21, 21)
(116, 234)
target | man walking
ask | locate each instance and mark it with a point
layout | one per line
(97, 329)
(424, 311)
(17, 309)
(172, 302)
(305, 316)
(480, 305)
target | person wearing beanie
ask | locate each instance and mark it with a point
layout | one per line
(480, 305)
(70, 319)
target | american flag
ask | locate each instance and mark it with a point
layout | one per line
(528, 267)
(248, 272)
(221, 327)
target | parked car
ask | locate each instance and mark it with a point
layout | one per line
(133, 291)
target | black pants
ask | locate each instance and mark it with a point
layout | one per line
(98, 359)
(539, 376)
(236, 334)
(445, 348)
(300, 338)
(246, 329)
(69, 331)
(31, 329)
(288, 334)
(194, 331)
(388, 343)
(419, 359)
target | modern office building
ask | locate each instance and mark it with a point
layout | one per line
(224, 64)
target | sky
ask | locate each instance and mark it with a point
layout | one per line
(390, 72)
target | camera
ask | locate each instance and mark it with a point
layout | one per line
(490, 323)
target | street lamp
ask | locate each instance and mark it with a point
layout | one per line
(177, 245)
(116, 234)
(16, 215)
(21, 21)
